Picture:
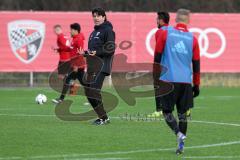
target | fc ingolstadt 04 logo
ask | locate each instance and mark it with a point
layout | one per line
(26, 38)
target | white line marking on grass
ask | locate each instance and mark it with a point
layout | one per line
(127, 152)
(6, 109)
(217, 123)
(212, 157)
(10, 158)
(132, 119)
(191, 121)
(28, 115)
(218, 97)
(14, 109)
(97, 158)
(214, 145)
(236, 96)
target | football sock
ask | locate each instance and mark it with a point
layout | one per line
(171, 121)
(183, 123)
(66, 84)
(180, 135)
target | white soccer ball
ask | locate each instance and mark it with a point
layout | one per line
(40, 99)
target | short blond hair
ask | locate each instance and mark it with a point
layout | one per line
(183, 15)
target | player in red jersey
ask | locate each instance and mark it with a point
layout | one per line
(178, 50)
(77, 62)
(163, 19)
(63, 44)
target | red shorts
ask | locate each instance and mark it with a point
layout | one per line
(78, 62)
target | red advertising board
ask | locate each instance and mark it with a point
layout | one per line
(26, 38)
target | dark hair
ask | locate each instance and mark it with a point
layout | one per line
(164, 16)
(99, 11)
(76, 26)
(57, 26)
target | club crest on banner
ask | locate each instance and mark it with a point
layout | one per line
(26, 39)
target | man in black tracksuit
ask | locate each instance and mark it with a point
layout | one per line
(101, 47)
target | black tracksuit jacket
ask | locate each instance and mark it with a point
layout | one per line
(102, 40)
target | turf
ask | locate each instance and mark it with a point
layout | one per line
(31, 131)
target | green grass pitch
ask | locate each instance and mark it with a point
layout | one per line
(31, 131)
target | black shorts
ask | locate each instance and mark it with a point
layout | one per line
(181, 96)
(64, 67)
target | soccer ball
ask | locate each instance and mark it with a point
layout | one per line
(40, 99)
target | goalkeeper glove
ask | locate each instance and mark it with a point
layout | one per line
(195, 90)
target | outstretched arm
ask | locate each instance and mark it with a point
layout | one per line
(196, 67)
